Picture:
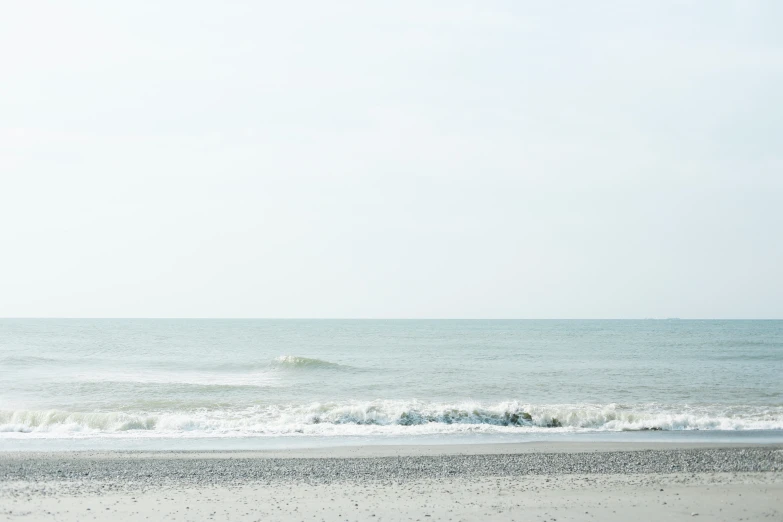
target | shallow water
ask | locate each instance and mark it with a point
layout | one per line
(273, 382)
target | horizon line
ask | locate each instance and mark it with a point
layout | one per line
(405, 318)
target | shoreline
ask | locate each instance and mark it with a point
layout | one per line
(395, 450)
(314, 445)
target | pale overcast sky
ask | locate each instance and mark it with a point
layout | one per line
(391, 159)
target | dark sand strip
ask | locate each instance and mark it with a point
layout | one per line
(144, 470)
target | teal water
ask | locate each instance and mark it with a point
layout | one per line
(301, 380)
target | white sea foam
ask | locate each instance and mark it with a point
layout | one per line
(357, 418)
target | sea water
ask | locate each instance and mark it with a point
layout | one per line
(193, 383)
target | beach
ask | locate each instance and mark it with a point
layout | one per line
(534, 481)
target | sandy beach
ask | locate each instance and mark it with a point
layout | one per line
(544, 481)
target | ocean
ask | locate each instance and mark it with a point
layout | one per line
(222, 384)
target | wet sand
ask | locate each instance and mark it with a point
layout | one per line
(548, 481)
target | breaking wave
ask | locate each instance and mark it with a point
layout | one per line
(356, 418)
(292, 361)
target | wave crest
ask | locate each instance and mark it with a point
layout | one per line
(293, 361)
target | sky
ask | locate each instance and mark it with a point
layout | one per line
(407, 159)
